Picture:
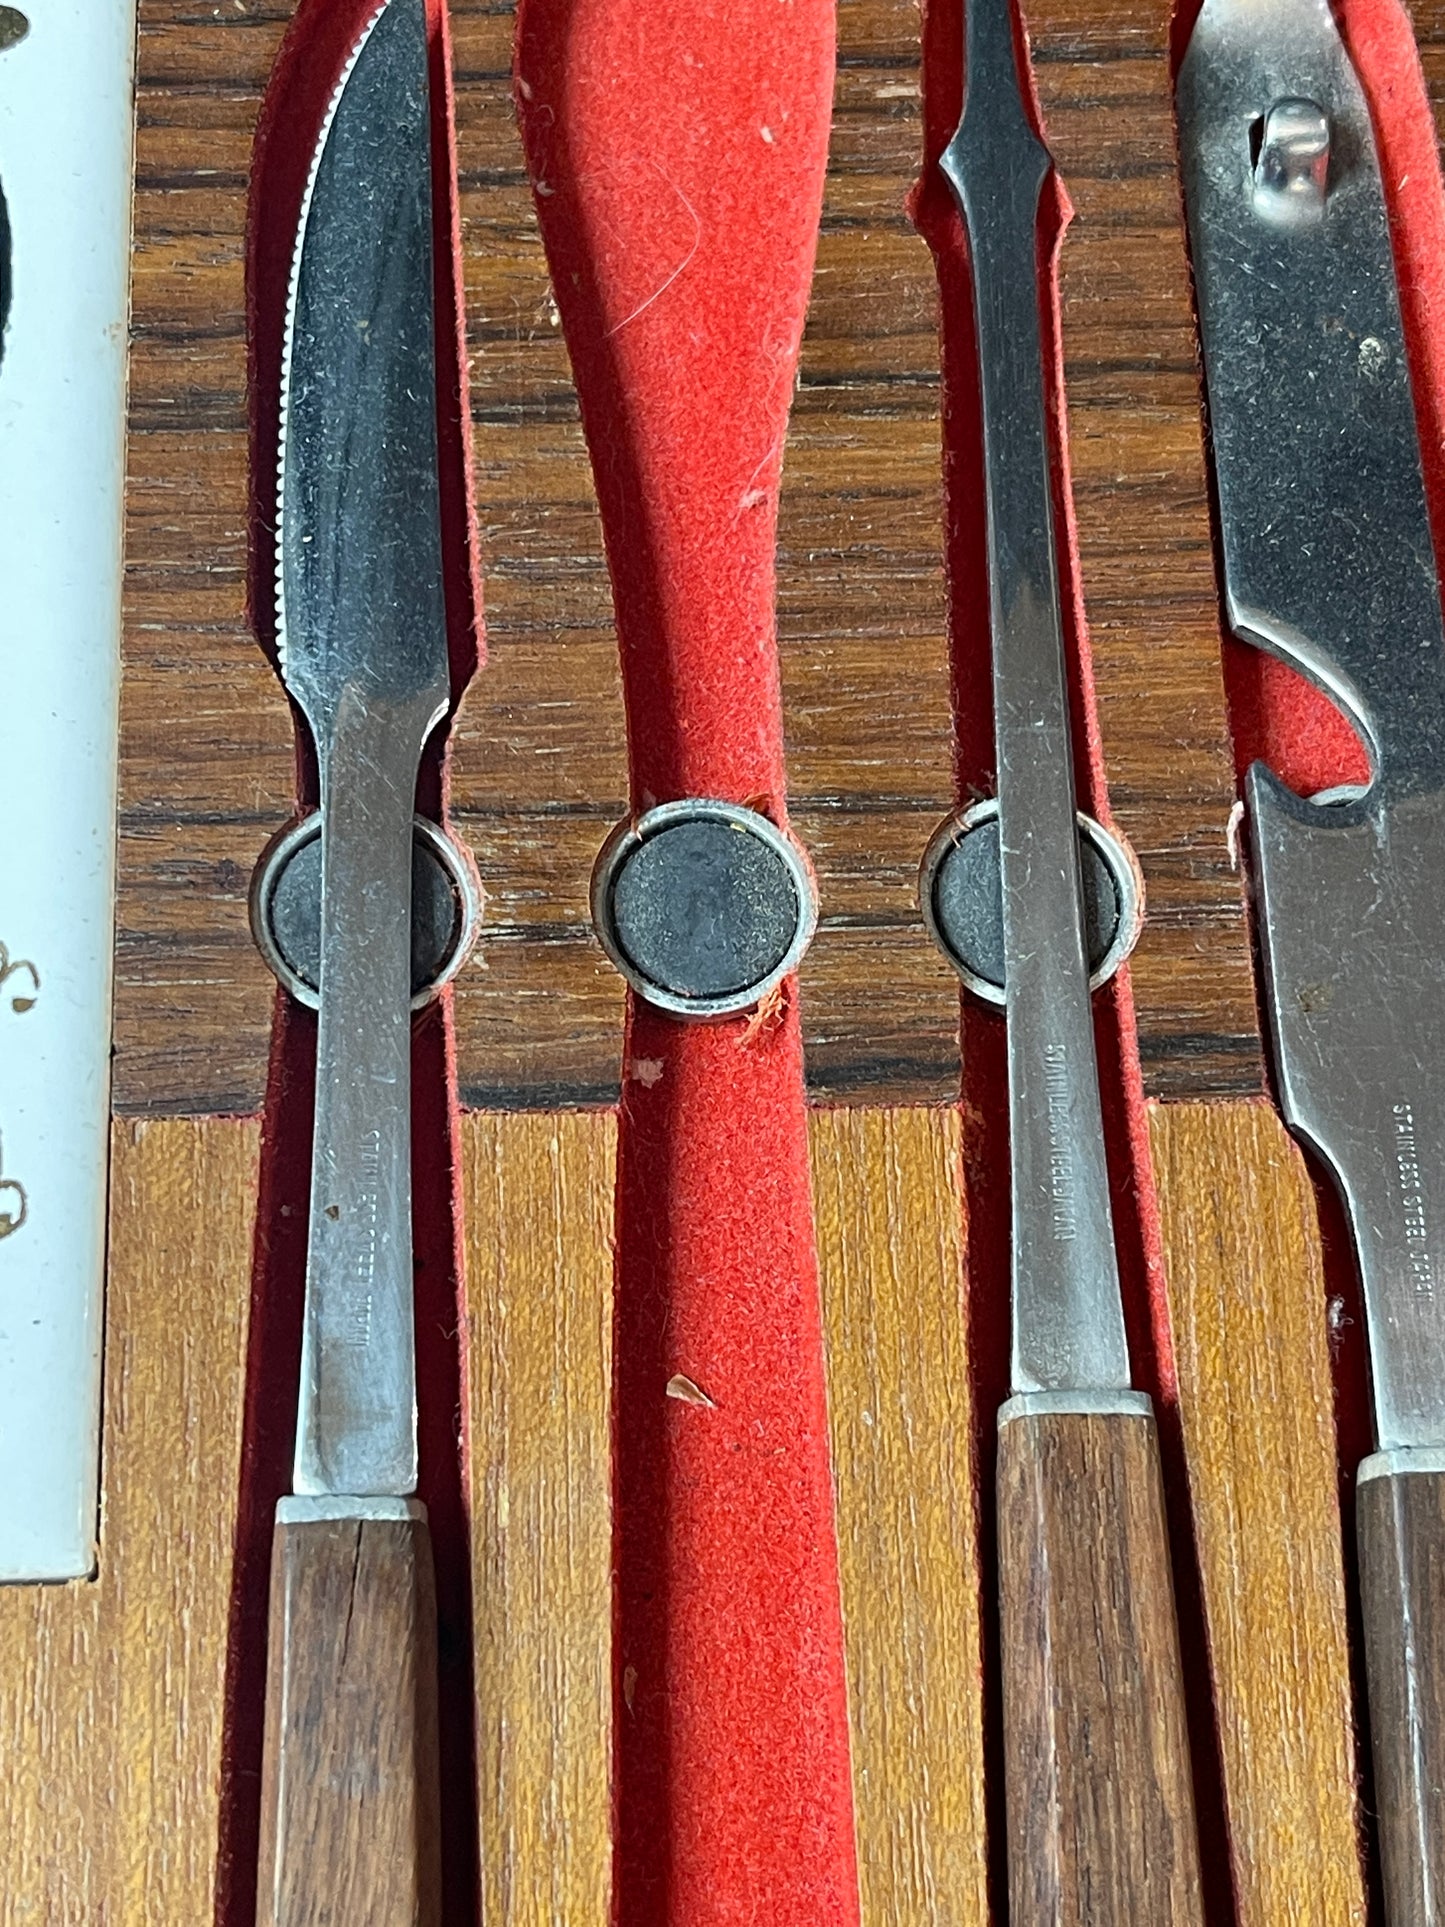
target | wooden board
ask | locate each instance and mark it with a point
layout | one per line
(539, 763)
(862, 635)
(111, 1707)
(207, 770)
(887, 1195)
(538, 769)
(538, 1198)
(207, 756)
(111, 1693)
(1247, 1305)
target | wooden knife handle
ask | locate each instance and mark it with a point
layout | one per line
(1101, 1828)
(1400, 1519)
(349, 1822)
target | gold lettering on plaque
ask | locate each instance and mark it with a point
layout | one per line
(14, 1205)
(18, 1001)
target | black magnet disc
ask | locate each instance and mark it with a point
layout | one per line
(294, 912)
(704, 908)
(968, 903)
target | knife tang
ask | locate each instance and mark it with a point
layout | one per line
(1099, 1787)
(356, 1427)
(1328, 562)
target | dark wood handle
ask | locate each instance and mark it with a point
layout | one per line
(1101, 1827)
(349, 1829)
(1400, 1516)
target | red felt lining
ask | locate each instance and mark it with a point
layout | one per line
(311, 60)
(681, 240)
(678, 156)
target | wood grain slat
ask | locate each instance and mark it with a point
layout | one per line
(539, 762)
(861, 622)
(887, 1198)
(538, 1196)
(1100, 1788)
(206, 753)
(1247, 1310)
(111, 1693)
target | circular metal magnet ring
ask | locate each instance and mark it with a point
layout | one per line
(961, 896)
(285, 908)
(703, 906)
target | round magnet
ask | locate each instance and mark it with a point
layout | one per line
(704, 906)
(961, 896)
(285, 909)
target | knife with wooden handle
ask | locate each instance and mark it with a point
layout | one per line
(1329, 563)
(349, 1813)
(1101, 1826)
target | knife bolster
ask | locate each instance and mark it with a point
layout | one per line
(1400, 1521)
(1101, 1828)
(349, 1797)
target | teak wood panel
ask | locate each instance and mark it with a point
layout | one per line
(111, 1700)
(539, 761)
(207, 760)
(111, 1690)
(887, 1195)
(538, 769)
(538, 1196)
(1256, 1401)
(207, 755)
(862, 630)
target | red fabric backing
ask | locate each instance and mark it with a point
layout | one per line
(678, 155)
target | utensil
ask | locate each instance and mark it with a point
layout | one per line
(1100, 1803)
(349, 1816)
(1329, 563)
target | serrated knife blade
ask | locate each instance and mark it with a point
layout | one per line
(1329, 563)
(362, 633)
(349, 1812)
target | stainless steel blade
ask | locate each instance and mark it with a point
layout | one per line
(1068, 1327)
(363, 649)
(1328, 562)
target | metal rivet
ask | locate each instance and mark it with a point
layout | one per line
(1291, 169)
(703, 906)
(285, 909)
(961, 896)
